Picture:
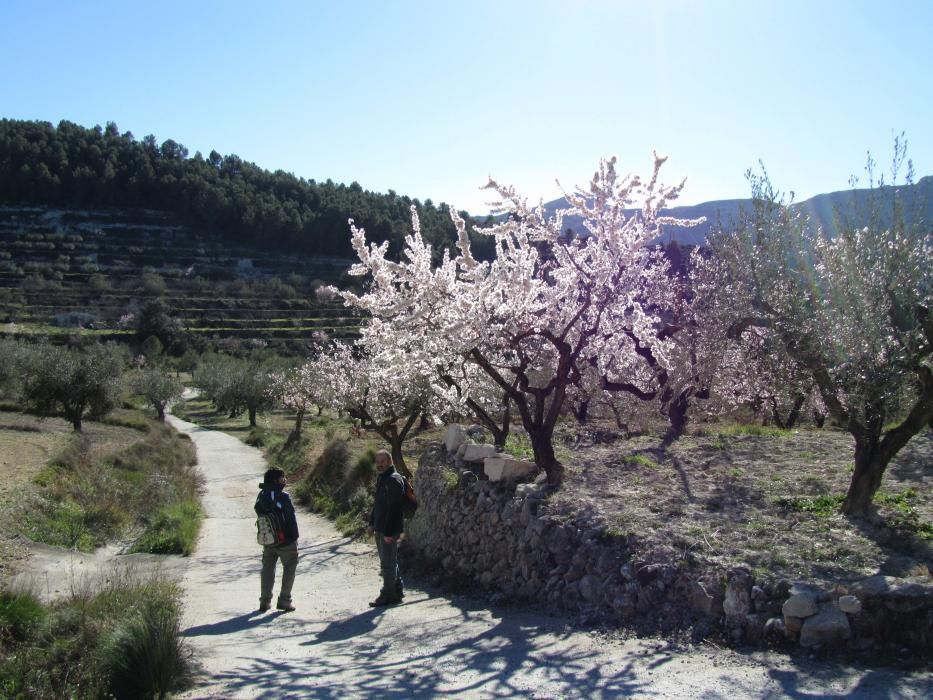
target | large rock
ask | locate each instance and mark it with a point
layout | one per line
(475, 452)
(737, 600)
(830, 625)
(705, 599)
(504, 468)
(454, 437)
(800, 605)
(850, 604)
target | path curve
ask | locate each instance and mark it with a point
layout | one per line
(335, 646)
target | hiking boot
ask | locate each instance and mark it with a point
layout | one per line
(264, 607)
(285, 607)
(384, 599)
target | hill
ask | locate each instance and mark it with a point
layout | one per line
(111, 273)
(822, 210)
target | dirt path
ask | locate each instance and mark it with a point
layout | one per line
(335, 646)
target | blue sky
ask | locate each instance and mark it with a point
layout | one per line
(430, 98)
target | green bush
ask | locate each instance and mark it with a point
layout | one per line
(20, 613)
(122, 641)
(174, 530)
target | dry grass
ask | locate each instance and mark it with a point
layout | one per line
(767, 502)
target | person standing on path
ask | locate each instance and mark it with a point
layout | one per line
(387, 523)
(273, 496)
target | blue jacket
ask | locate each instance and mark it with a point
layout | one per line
(275, 496)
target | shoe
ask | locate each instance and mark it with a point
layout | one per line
(264, 607)
(285, 607)
(383, 600)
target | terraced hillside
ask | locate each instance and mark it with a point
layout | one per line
(95, 271)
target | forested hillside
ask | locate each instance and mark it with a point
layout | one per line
(71, 166)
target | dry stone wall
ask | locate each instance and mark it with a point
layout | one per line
(502, 536)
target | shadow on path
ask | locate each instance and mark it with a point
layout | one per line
(233, 625)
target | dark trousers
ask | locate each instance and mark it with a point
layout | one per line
(271, 555)
(388, 563)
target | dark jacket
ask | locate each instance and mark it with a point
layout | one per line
(275, 497)
(387, 507)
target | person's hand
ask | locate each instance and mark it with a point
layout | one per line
(388, 540)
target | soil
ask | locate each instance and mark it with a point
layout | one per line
(765, 502)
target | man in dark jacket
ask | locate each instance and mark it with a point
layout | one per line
(273, 497)
(386, 523)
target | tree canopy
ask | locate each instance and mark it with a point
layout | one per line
(72, 166)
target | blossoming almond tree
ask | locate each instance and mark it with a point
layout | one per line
(545, 306)
(379, 388)
(856, 310)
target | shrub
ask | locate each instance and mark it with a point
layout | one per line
(20, 613)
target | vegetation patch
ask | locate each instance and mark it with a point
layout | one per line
(83, 499)
(122, 642)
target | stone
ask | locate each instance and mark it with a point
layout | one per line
(872, 586)
(476, 432)
(475, 452)
(829, 626)
(775, 626)
(454, 436)
(704, 600)
(755, 624)
(850, 604)
(793, 624)
(737, 600)
(800, 605)
(504, 468)
(815, 592)
(590, 588)
(526, 490)
(904, 567)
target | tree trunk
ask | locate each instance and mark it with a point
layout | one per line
(581, 411)
(299, 419)
(398, 459)
(870, 464)
(541, 443)
(677, 415)
(76, 423)
(252, 417)
(160, 410)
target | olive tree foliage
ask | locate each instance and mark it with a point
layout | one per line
(855, 311)
(69, 381)
(235, 385)
(157, 386)
(546, 307)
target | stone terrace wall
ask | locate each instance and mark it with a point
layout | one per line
(502, 537)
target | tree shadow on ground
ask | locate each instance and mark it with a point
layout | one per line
(352, 659)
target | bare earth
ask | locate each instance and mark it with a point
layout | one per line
(335, 646)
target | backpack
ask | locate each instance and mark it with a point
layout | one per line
(410, 500)
(270, 525)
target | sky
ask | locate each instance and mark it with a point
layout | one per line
(430, 99)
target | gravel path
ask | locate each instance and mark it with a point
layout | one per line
(335, 646)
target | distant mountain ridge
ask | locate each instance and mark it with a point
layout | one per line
(821, 209)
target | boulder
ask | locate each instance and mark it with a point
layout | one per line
(850, 604)
(800, 605)
(830, 625)
(504, 468)
(454, 437)
(474, 452)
